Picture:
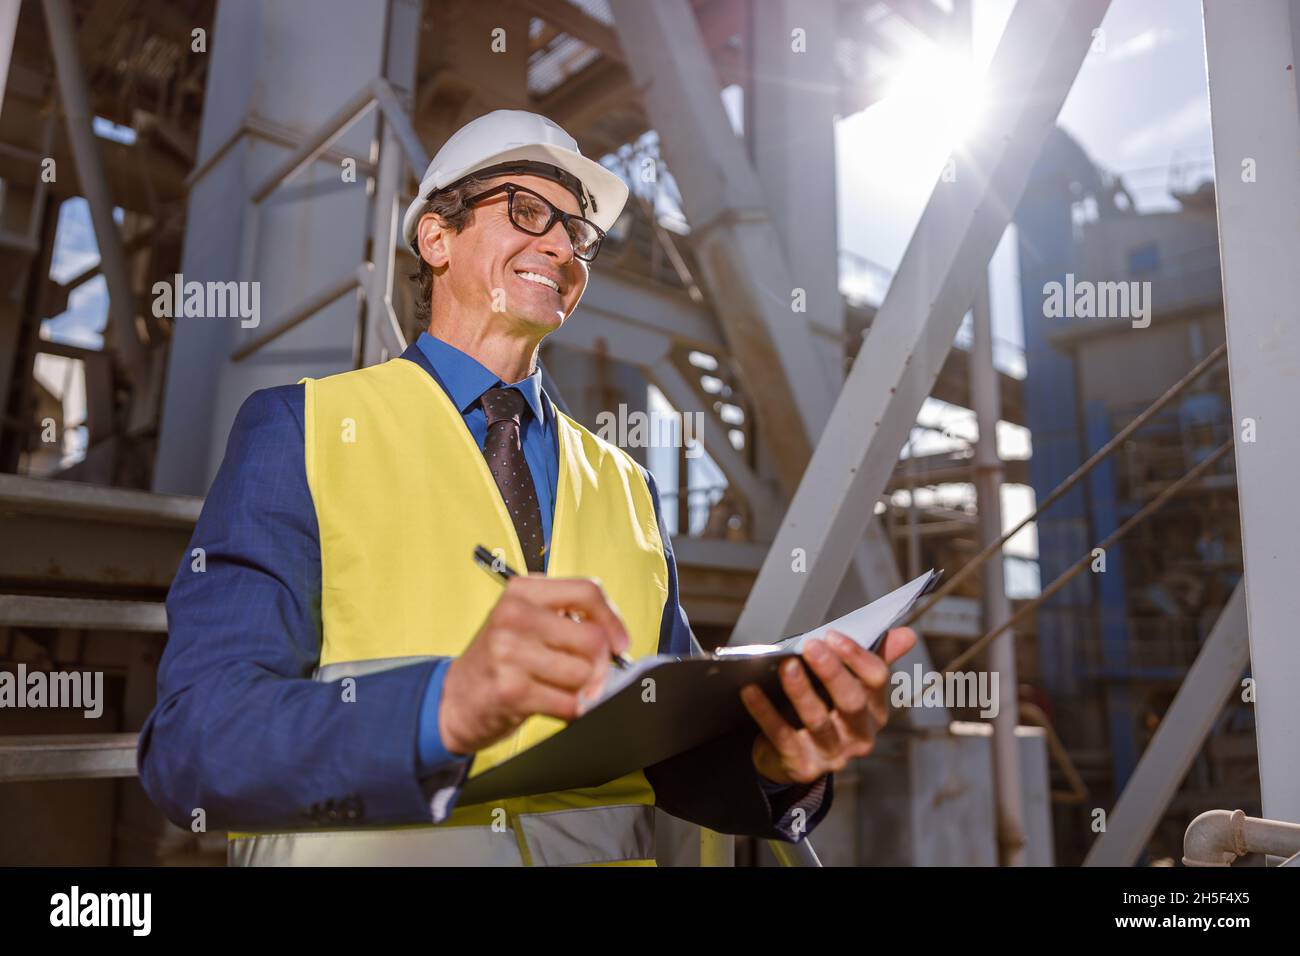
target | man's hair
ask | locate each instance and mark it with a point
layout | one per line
(451, 206)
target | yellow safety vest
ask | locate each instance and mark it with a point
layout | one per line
(402, 496)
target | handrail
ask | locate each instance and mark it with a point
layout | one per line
(1078, 792)
(995, 546)
(377, 92)
(1151, 506)
(327, 296)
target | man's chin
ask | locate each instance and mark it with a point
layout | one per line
(541, 320)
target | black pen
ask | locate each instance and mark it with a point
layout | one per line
(503, 573)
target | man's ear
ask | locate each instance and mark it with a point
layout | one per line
(431, 239)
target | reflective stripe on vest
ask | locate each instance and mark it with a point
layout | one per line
(402, 496)
(612, 834)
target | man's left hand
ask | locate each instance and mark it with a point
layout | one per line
(829, 738)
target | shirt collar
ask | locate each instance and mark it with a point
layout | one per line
(465, 378)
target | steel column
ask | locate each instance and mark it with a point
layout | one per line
(987, 404)
(61, 25)
(1251, 58)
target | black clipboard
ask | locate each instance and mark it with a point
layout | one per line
(695, 699)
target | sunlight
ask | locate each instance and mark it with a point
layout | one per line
(935, 100)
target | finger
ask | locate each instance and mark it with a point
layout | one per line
(550, 701)
(774, 727)
(845, 687)
(861, 739)
(583, 595)
(878, 708)
(808, 705)
(583, 639)
(897, 642)
(555, 668)
(870, 669)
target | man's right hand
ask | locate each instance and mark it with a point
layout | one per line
(529, 658)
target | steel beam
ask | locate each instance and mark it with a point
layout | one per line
(762, 497)
(738, 248)
(571, 19)
(743, 263)
(71, 499)
(1251, 58)
(735, 240)
(90, 170)
(1031, 73)
(997, 606)
(8, 28)
(791, 101)
(1211, 679)
(66, 757)
(21, 610)
(383, 337)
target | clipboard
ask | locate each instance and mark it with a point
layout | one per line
(666, 705)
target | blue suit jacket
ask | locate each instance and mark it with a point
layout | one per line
(241, 731)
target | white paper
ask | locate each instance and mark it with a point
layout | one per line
(863, 625)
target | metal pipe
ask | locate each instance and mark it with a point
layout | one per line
(94, 184)
(1219, 837)
(966, 655)
(987, 404)
(970, 567)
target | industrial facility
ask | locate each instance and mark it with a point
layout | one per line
(1068, 396)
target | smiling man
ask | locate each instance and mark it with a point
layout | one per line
(338, 663)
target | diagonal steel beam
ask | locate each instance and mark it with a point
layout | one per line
(1032, 71)
(1178, 739)
(743, 264)
(735, 240)
(737, 245)
(760, 496)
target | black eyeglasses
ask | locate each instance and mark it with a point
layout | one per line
(534, 214)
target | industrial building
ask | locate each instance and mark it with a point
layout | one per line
(241, 145)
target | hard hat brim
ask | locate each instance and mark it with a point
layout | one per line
(608, 192)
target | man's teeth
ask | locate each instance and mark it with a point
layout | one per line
(534, 277)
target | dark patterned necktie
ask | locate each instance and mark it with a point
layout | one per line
(505, 459)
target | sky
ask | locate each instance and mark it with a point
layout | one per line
(1139, 108)
(1136, 108)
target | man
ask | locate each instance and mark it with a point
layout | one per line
(336, 662)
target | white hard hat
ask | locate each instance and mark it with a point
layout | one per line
(517, 138)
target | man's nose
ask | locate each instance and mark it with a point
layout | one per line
(556, 242)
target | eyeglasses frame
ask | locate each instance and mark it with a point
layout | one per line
(556, 214)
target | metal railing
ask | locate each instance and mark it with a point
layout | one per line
(995, 546)
(383, 335)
